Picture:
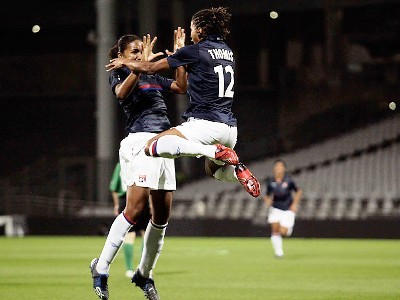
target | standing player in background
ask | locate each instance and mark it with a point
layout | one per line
(118, 192)
(142, 99)
(210, 126)
(283, 206)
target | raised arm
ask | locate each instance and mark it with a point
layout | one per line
(146, 67)
(149, 67)
(179, 85)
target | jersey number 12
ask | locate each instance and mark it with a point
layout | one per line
(221, 81)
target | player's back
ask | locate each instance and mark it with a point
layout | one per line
(211, 82)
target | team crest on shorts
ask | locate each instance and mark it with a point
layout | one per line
(142, 178)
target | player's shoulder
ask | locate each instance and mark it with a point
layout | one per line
(189, 48)
(289, 179)
(186, 52)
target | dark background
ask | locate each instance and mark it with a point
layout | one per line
(48, 81)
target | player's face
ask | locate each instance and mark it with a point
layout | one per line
(134, 50)
(279, 169)
(194, 33)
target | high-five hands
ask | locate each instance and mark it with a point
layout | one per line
(148, 45)
(147, 54)
(179, 40)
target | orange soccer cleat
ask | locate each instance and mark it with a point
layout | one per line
(226, 155)
(247, 179)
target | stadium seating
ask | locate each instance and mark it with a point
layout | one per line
(354, 176)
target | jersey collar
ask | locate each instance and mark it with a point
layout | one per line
(214, 38)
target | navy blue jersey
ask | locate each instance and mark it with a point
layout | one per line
(210, 66)
(281, 192)
(145, 107)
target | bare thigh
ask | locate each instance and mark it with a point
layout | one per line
(136, 200)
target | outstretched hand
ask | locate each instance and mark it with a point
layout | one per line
(115, 63)
(148, 46)
(179, 40)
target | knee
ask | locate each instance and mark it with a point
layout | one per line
(132, 213)
(285, 231)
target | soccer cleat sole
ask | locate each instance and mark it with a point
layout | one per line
(99, 293)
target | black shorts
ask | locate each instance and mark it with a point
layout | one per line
(143, 219)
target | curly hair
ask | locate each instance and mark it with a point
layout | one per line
(213, 21)
(121, 45)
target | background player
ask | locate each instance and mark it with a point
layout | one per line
(142, 100)
(283, 206)
(210, 124)
(118, 192)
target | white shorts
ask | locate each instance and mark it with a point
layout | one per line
(285, 218)
(156, 173)
(208, 132)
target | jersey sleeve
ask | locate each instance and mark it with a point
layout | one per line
(114, 79)
(118, 76)
(184, 56)
(164, 82)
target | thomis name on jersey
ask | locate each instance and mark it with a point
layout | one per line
(221, 54)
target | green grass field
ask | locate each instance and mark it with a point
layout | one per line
(207, 268)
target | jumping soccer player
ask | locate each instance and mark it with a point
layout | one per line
(210, 127)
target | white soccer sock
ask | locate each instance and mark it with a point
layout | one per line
(226, 173)
(113, 243)
(153, 242)
(276, 240)
(172, 146)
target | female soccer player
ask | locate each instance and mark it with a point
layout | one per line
(283, 206)
(118, 192)
(141, 97)
(210, 127)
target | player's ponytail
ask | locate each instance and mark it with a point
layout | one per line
(113, 53)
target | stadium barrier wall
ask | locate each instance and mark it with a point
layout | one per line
(370, 228)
